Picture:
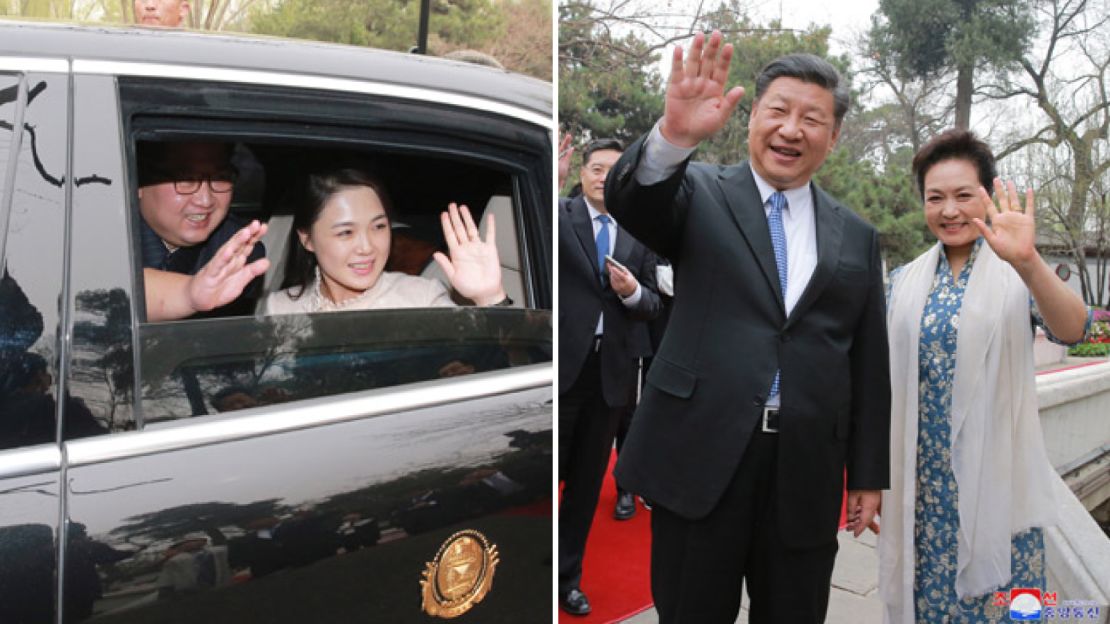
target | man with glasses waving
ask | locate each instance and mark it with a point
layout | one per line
(197, 259)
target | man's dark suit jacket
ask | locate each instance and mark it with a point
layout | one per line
(729, 332)
(582, 299)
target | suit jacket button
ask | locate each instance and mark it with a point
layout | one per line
(757, 400)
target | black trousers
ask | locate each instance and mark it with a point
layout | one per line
(698, 566)
(586, 429)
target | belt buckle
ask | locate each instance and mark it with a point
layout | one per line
(765, 426)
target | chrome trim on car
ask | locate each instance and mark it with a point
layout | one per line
(272, 419)
(34, 64)
(31, 460)
(220, 74)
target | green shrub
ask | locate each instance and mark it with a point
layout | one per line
(1089, 349)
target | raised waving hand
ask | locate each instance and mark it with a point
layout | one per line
(1012, 232)
(566, 151)
(473, 267)
(696, 104)
(171, 296)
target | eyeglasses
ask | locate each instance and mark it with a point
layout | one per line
(221, 182)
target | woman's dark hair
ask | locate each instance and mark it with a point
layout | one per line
(955, 144)
(309, 201)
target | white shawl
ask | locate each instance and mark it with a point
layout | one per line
(998, 457)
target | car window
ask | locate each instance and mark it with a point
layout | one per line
(33, 113)
(217, 365)
(427, 155)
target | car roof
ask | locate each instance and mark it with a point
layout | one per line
(221, 51)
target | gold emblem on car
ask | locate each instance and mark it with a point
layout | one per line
(460, 576)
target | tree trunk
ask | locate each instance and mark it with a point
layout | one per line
(1084, 273)
(964, 87)
(1102, 249)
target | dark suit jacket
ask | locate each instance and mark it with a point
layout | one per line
(582, 298)
(729, 332)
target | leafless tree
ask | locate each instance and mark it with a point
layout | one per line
(1066, 78)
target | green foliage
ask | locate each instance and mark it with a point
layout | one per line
(388, 24)
(929, 37)
(1098, 341)
(885, 198)
(1089, 349)
(606, 85)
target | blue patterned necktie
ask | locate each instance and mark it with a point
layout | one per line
(602, 242)
(778, 242)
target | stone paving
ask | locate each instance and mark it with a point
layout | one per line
(854, 598)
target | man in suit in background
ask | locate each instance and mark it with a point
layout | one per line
(772, 379)
(602, 336)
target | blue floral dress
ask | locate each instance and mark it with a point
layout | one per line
(936, 520)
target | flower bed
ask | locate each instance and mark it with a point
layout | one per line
(1098, 339)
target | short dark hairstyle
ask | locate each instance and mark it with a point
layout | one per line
(807, 68)
(154, 157)
(598, 145)
(309, 202)
(955, 144)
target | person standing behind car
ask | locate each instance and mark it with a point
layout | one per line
(196, 257)
(602, 336)
(161, 13)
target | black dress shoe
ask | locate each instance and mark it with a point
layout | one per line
(626, 506)
(575, 602)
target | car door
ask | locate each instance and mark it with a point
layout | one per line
(353, 476)
(34, 207)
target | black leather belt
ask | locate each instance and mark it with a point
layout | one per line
(770, 420)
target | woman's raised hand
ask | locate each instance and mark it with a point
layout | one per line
(1012, 232)
(473, 267)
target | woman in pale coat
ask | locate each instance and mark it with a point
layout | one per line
(342, 243)
(970, 479)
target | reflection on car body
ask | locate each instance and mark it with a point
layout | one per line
(252, 468)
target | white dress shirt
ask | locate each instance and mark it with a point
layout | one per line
(662, 158)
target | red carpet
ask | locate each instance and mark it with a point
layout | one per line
(616, 570)
(618, 561)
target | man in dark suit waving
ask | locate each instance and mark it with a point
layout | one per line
(771, 383)
(602, 335)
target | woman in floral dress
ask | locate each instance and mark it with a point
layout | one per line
(970, 479)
